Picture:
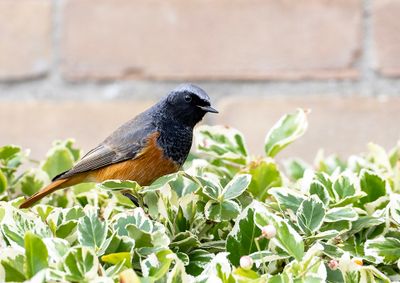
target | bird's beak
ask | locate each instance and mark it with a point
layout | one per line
(208, 109)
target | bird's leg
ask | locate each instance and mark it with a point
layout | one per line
(136, 202)
(131, 197)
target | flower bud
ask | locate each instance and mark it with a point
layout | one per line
(333, 264)
(268, 231)
(246, 262)
(357, 261)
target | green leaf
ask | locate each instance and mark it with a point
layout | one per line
(222, 211)
(13, 235)
(2, 214)
(157, 265)
(289, 128)
(344, 187)
(66, 229)
(372, 274)
(394, 156)
(212, 191)
(3, 182)
(325, 235)
(325, 180)
(183, 185)
(184, 258)
(295, 168)
(373, 185)
(260, 257)
(236, 186)
(59, 159)
(116, 258)
(341, 213)
(17, 223)
(69, 144)
(118, 185)
(43, 211)
(185, 242)
(245, 275)
(91, 231)
(32, 181)
(364, 222)
(378, 156)
(310, 215)
(355, 246)
(163, 181)
(13, 267)
(341, 226)
(329, 164)
(178, 273)
(57, 248)
(280, 278)
(286, 237)
(114, 270)
(332, 251)
(198, 259)
(223, 143)
(318, 189)
(287, 198)
(241, 240)
(183, 218)
(220, 267)
(36, 254)
(349, 200)
(8, 152)
(64, 222)
(395, 208)
(142, 238)
(80, 264)
(138, 226)
(386, 249)
(265, 175)
(139, 219)
(289, 240)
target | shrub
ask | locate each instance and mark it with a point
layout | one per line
(227, 217)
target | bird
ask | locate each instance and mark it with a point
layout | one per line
(153, 144)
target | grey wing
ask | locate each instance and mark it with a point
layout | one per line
(123, 144)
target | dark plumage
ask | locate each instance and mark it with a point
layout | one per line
(154, 143)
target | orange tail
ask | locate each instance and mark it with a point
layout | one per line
(54, 186)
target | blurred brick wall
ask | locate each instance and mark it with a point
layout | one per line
(256, 58)
(88, 40)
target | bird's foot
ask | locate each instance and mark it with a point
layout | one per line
(132, 198)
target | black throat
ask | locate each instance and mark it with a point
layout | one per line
(175, 136)
(176, 141)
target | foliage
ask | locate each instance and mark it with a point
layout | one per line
(228, 217)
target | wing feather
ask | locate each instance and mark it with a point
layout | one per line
(123, 144)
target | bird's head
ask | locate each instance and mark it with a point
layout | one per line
(188, 104)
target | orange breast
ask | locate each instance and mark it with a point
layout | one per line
(147, 166)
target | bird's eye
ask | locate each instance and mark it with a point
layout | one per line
(188, 98)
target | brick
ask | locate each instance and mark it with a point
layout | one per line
(342, 125)
(211, 39)
(386, 36)
(25, 32)
(35, 125)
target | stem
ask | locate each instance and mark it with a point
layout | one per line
(305, 271)
(258, 248)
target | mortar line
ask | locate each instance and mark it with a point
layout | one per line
(368, 75)
(55, 76)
